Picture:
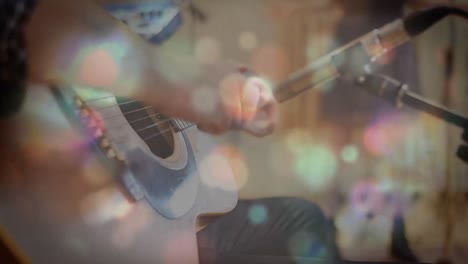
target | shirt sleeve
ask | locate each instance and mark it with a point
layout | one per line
(13, 58)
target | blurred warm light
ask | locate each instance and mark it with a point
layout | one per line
(131, 225)
(99, 69)
(237, 163)
(105, 205)
(99, 65)
(382, 137)
(248, 41)
(94, 173)
(215, 170)
(204, 100)
(207, 50)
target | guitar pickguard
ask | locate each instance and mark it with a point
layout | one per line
(171, 192)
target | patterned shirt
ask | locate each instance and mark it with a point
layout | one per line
(13, 58)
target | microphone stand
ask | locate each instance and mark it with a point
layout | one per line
(399, 94)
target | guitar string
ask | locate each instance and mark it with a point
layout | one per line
(180, 124)
(162, 122)
(137, 120)
(120, 104)
(112, 105)
(125, 113)
(121, 139)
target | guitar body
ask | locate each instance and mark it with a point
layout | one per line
(89, 178)
(64, 201)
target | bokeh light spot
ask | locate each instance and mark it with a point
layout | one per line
(101, 64)
(350, 154)
(258, 214)
(316, 166)
(306, 245)
(204, 101)
(215, 170)
(237, 163)
(207, 50)
(105, 205)
(247, 40)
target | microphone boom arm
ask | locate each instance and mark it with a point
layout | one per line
(398, 94)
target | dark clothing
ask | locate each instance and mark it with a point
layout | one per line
(271, 231)
(13, 58)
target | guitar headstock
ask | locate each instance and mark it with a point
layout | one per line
(94, 127)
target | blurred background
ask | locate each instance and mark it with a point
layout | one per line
(359, 158)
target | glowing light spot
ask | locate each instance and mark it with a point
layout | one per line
(122, 209)
(93, 173)
(204, 100)
(215, 170)
(128, 229)
(237, 164)
(207, 50)
(316, 166)
(105, 205)
(350, 154)
(258, 214)
(247, 41)
(387, 135)
(99, 69)
(306, 244)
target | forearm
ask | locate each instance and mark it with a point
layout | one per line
(79, 43)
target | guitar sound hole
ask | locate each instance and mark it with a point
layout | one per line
(155, 129)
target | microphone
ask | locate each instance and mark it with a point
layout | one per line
(399, 94)
(357, 57)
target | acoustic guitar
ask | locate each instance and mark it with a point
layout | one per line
(86, 177)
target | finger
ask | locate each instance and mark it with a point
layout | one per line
(264, 122)
(231, 87)
(260, 128)
(250, 100)
(211, 129)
